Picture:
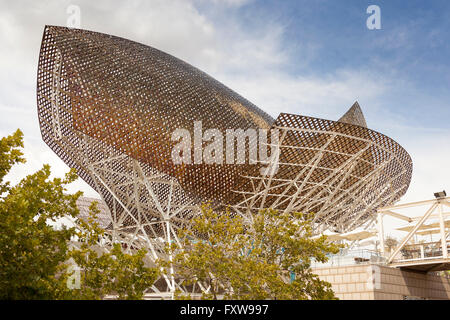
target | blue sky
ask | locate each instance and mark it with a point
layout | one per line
(307, 57)
(412, 48)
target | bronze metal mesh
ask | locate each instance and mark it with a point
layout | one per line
(132, 97)
(340, 172)
(108, 106)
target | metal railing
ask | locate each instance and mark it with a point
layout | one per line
(350, 257)
(421, 251)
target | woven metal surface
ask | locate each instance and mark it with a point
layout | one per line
(108, 106)
(339, 172)
(354, 116)
(103, 217)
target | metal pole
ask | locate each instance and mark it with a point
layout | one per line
(381, 233)
(443, 238)
(413, 231)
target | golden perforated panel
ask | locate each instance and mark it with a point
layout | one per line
(340, 172)
(108, 107)
(132, 97)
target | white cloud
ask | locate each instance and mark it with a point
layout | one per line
(230, 3)
(430, 153)
(326, 97)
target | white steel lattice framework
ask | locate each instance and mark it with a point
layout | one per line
(108, 106)
(342, 173)
(414, 252)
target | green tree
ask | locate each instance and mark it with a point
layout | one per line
(268, 258)
(34, 255)
(111, 272)
(390, 243)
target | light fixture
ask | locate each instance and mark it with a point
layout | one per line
(440, 195)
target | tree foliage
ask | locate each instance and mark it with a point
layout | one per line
(34, 255)
(268, 258)
(114, 271)
(390, 243)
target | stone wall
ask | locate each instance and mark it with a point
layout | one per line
(373, 282)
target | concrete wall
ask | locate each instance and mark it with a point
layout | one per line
(373, 282)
